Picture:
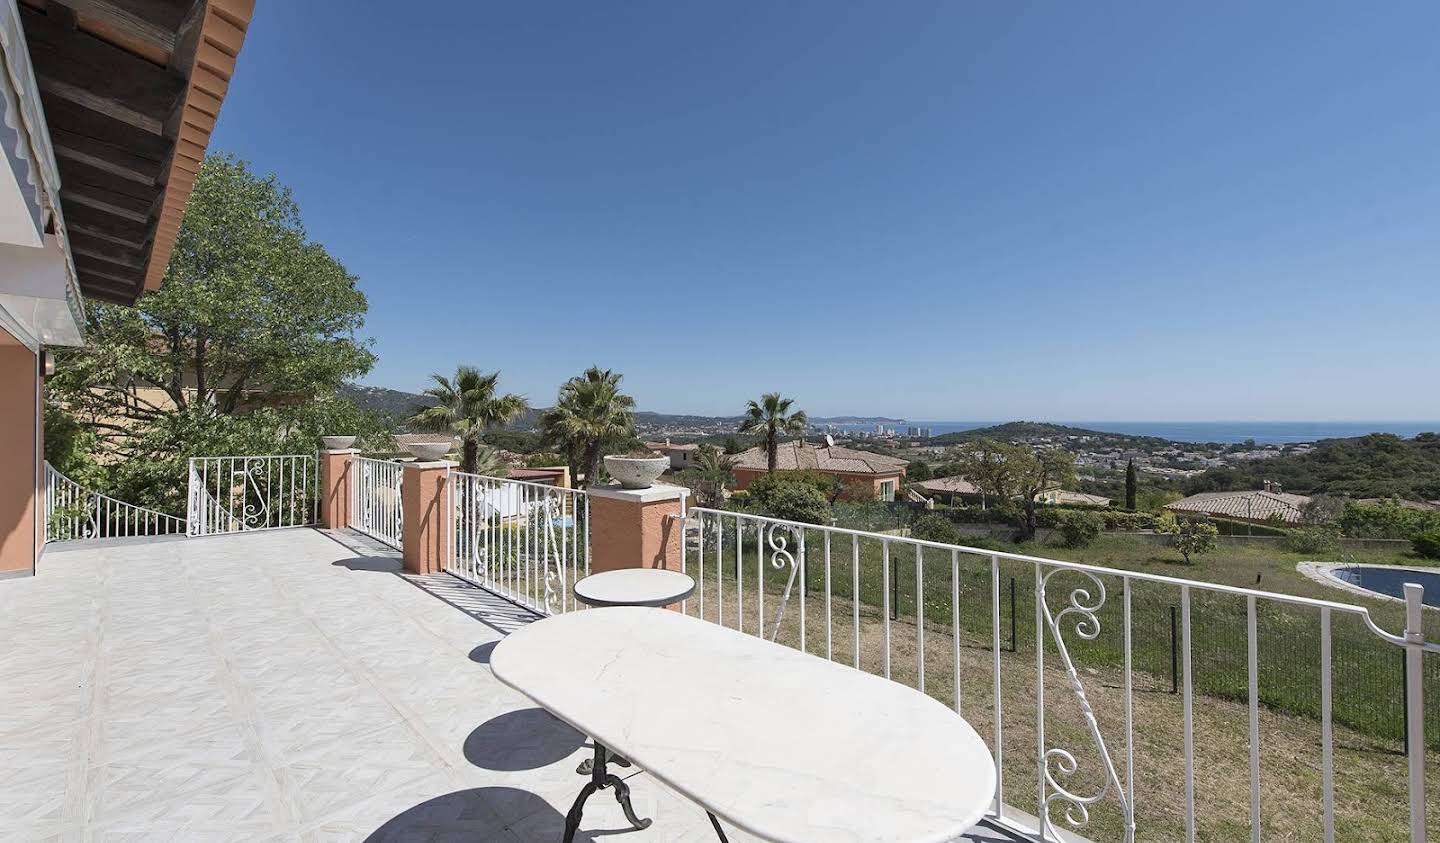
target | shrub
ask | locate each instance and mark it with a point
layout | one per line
(936, 528)
(826, 484)
(791, 501)
(1427, 544)
(1078, 528)
(1318, 540)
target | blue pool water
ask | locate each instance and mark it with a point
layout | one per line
(1392, 581)
(564, 522)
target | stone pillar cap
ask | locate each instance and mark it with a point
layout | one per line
(340, 451)
(431, 464)
(657, 492)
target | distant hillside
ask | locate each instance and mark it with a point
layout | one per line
(646, 418)
(1375, 466)
(391, 403)
(1024, 431)
(854, 420)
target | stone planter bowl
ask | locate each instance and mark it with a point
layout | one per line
(429, 451)
(636, 472)
(338, 443)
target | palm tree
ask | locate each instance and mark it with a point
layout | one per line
(468, 406)
(590, 414)
(770, 417)
(712, 473)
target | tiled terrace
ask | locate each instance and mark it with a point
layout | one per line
(280, 686)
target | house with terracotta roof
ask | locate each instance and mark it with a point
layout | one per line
(1259, 506)
(865, 476)
(681, 456)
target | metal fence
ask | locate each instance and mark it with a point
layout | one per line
(906, 609)
(240, 494)
(527, 542)
(74, 512)
(378, 510)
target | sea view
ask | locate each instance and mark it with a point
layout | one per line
(1263, 432)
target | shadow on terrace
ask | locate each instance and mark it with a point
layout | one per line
(280, 685)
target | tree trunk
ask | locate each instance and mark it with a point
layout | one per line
(592, 464)
(469, 454)
(1030, 524)
(772, 448)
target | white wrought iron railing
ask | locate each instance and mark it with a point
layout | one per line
(525, 541)
(377, 510)
(239, 494)
(935, 616)
(74, 512)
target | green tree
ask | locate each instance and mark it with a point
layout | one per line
(590, 414)
(918, 470)
(1009, 471)
(1192, 537)
(240, 351)
(1132, 485)
(769, 417)
(469, 405)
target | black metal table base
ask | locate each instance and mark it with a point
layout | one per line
(588, 765)
(601, 778)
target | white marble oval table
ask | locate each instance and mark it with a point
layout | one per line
(786, 746)
(634, 587)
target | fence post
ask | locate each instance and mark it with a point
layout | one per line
(895, 593)
(1174, 657)
(1415, 707)
(1014, 638)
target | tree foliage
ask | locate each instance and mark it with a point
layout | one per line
(1132, 485)
(769, 417)
(1015, 471)
(590, 415)
(1192, 537)
(1379, 465)
(240, 351)
(468, 405)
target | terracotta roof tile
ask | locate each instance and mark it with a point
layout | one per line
(803, 456)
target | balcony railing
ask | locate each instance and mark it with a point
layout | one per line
(240, 494)
(74, 512)
(377, 510)
(528, 542)
(1072, 675)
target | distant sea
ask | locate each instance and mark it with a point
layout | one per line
(1218, 431)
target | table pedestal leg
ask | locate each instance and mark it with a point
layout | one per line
(588, 765)
(719, 832)
(601, 778)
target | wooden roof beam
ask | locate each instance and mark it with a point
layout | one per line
(102, 77)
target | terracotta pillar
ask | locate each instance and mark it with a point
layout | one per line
(22, 523)
(337, 489)
(424, 502)
(636, 528)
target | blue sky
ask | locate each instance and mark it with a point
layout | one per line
(931, 210)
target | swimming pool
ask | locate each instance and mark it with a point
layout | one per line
(1390, 581)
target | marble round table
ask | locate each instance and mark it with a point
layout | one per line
(634, 587)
